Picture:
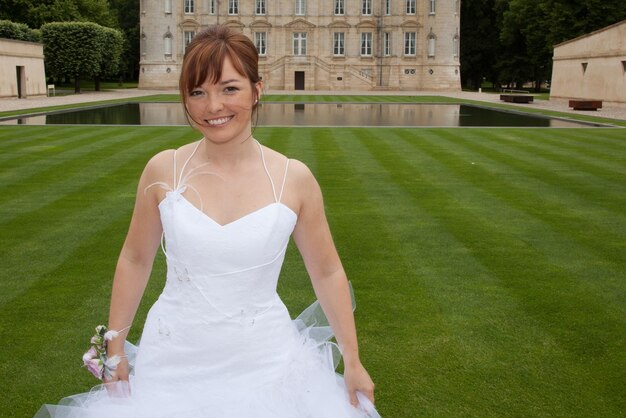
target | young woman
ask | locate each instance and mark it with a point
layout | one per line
(219, 342)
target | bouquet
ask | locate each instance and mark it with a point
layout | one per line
(96, 360)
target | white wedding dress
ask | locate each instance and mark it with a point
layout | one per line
(219, 342)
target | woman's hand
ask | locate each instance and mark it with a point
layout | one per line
(357, 379)
(117, 386)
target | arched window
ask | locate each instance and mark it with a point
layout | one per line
(143, 43)
(432, 43)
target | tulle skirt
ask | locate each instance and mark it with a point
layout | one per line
(299, 382)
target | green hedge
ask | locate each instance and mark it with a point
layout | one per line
(18, 31)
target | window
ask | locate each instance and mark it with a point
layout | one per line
(387, 7)
(299, 43)
(233, 7)
(339, 8)
(187, 37)
(366, 44)
(168, 6)
(432, 40)
(260, 40)
(300, 7)
(339, 44)
(211, 7)
(409, 43)
(189, 6)
(143, 43)
(584, 65)
(431, 7)
(260, 7)
(455, 45)
(167, 44)
(387, 44)
(366, 7)
(410, 7)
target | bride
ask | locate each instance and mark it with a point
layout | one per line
(219, 342)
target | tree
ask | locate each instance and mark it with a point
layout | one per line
(18, 31)
(479, 41)
(73, 49)
(35, 13)
(127, 12)
(113, 42)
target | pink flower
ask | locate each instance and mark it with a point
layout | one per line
(95, 367)
(90, 354)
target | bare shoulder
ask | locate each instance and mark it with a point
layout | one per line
(161, 166)
(300, 173)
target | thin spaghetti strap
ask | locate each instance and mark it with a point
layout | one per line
(182, 170)
(280, 196)
(174, 170)
(268, 172)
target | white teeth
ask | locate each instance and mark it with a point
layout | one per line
(218, 121)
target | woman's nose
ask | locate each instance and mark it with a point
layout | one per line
(214, 104)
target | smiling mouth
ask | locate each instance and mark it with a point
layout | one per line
(218, 122)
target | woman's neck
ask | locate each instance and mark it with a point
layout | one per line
(230, 154)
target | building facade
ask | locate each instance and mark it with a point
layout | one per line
(21, 69)
(592, 67)
(315, 44)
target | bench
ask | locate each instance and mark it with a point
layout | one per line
(585, 104)
(517, 98)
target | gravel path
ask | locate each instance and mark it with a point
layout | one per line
(7, 104)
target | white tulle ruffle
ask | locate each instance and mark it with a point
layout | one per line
(309, 388)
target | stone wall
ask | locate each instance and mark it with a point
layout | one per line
(592, 66)
(21, 63)
(164, 21)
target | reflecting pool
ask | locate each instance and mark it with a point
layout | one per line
(309, 114)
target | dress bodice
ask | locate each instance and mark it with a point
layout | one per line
(235, 266)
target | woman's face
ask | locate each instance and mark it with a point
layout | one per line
(223, 111)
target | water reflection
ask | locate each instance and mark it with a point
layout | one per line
(310, 114)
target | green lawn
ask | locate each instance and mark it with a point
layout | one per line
(488, 264)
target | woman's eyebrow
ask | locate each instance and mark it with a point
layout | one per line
(232, 80)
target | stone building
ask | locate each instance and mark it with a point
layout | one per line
(592, 66)
(21, 69)
(315, 44)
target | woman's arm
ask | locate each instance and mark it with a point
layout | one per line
(313, 238)
(136, 258)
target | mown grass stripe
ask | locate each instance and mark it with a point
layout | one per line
(82, 282)
(45, 159)
(33, 236)
(591, 326)
(566, 139)
(471, 301)
(380, 287)
(567, 160)
(544, 205)
(554, 192)
(41, 141)
(603, 192)
(592, 252)
(70, 174)
(606, 138)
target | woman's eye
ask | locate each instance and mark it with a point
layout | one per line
(195, 93)
(231, 89)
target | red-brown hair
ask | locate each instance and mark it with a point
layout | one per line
(205, 55)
